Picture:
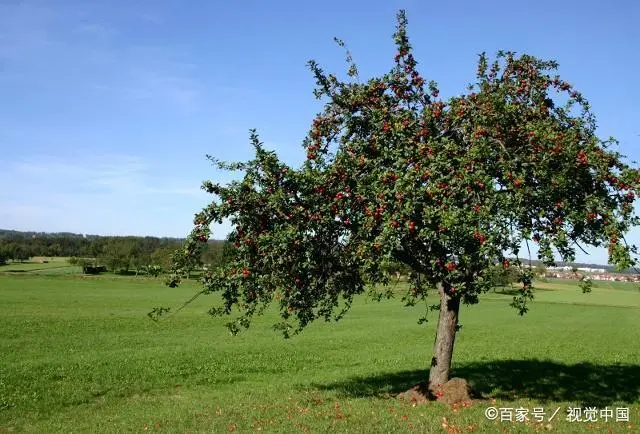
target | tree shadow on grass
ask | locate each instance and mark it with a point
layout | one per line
(516, 291)
(585, 384)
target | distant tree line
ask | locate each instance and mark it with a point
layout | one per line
(12, 251)
(150, 255)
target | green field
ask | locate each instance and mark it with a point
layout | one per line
(41, 265)
(80, 355)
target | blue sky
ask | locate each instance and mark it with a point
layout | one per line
(107, 109)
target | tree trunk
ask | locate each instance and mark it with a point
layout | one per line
(445, 338)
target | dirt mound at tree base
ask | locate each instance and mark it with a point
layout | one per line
(454, 391)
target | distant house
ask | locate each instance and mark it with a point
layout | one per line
(603, 276)
(592, 270)
(563, 268)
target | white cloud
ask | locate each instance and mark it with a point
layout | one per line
(112, 194)
(95, 30)
(80, 42)
(107, 174)
(149, 86)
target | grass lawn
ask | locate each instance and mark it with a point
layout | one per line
(41, 265)
(80, 355)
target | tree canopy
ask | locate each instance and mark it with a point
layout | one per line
(396, 173)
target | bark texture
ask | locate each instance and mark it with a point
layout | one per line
(445, 338)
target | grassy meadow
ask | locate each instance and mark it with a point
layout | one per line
(79, 354)
(42, 265)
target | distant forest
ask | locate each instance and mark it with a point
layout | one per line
(116, 253)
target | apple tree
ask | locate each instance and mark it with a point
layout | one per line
(447, 187)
